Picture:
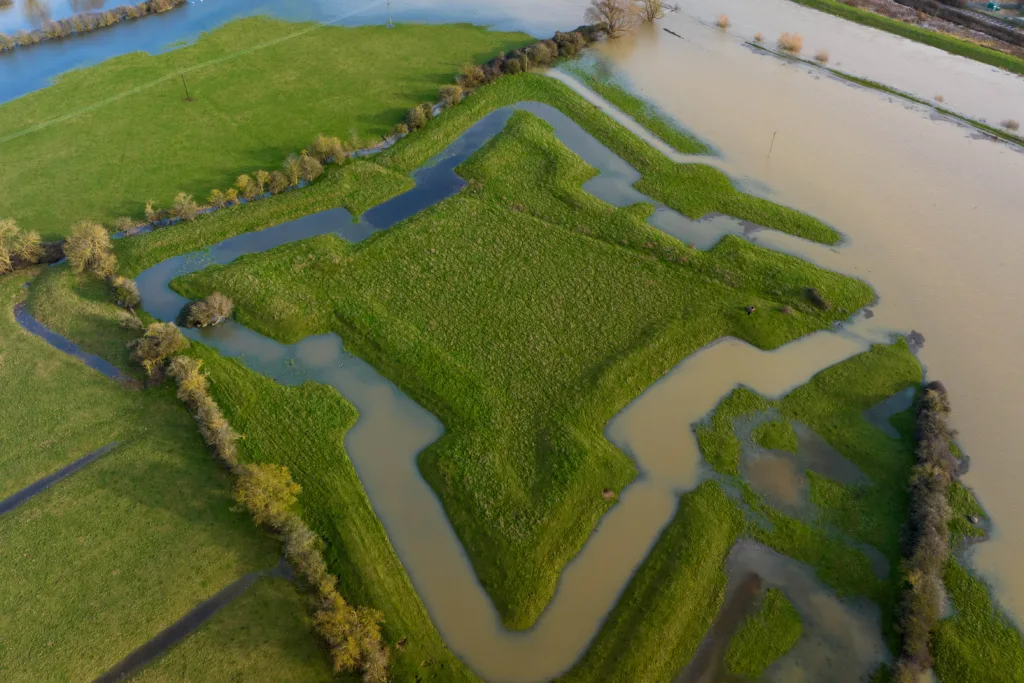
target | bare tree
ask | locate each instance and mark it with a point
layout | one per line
(615, 16)
(649, 11)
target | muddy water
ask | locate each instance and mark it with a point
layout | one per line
(932, 218)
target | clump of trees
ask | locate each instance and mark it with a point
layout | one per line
(926, 543)
(153, 349)
(88, 250)
(212, 310)
(268, 492)
(17, 247)
(615, 17)
(83, 22)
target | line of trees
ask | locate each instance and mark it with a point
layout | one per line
(85, 22)
(268, 492)
(926, 543)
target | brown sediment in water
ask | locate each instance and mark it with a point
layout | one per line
(777, 478)
(897, 185)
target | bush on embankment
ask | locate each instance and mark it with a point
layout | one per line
(927, 537)
(268, 492)
(85, 22)
(17, 248)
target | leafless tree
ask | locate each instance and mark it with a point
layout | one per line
(649, 11)
(616, 16)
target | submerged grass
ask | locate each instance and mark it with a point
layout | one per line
(586, 305)
(250, 108)
(645, 113)
(767, 634)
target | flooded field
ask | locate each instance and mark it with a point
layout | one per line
(931, 216)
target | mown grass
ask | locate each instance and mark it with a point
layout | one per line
(942, 41)
(101, 562)
(645, 113)
(524, 313)
(264, 635)
(767, 634)
(303, 428)
(249, 109)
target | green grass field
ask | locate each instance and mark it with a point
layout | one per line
(264, 635)
(102, 561)
(764, 636)
(585, 306)
(122, 132)
(942, 41)
(357, 185)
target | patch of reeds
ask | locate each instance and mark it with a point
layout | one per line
(791, 42)
(759, 38)
(940, 99)
(722, 22)
(821, 56)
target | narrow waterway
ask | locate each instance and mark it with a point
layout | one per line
(393, 429)
(932, 217)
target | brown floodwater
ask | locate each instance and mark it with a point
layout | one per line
(932, 217)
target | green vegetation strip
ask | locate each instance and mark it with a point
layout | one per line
(249, 109)
(642, 111)
(534, 386)
(100, 563)
(942, 41)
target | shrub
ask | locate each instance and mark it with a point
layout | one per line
(471, 76)
(246, 187)
(351, 634)
(262, 178)
(940, 99)
(267, 491)
(326, 149)
(415, 119)
(722, 21)
(152, 215)
(25, 246)
(126, 292)
(278, 182)
(309, 168)
(217, 199)
(821, 56)
(292, 170)
(1010, 124)
(230, 196)
(569, 44)
(791, 42)
(212, 310)
(125, 225)
(185, 207)
(543, 53)
(758, 38)
(8, 230)
(88, 250)
(156, 345)
(128, 320)
(451, 95)
(400, 130)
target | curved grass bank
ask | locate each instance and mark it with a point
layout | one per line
(102, 141)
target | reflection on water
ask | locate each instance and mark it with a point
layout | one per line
(23, 71)
(931, 218)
